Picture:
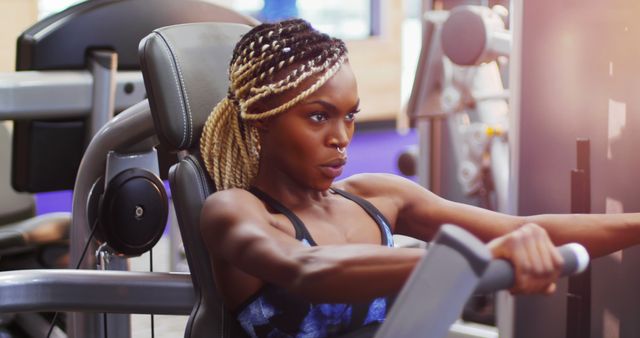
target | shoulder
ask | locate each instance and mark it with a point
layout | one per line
(402, 192)
(231, 197)
(375, 185)
(231, 206)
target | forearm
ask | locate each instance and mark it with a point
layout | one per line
(353, 273)
(601, 234)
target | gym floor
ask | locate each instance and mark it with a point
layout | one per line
(164, 326)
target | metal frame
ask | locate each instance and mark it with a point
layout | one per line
(96, 291)
(61, 94)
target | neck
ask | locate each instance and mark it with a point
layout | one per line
(287, 191)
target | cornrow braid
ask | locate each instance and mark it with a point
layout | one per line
(269, 60)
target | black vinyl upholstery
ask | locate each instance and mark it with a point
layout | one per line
(185, 69)
(185, 73)
(47, 153)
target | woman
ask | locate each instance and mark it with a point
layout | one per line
(296, 254)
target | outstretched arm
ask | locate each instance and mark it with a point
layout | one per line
(422, 212)
(601, 234)
(237, 229)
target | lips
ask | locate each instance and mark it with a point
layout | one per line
(338, 162)
(333, 168)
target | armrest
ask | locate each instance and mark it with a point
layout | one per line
(96, 291)
(60, 94)
(41, 229)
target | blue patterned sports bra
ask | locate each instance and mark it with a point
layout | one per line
(272, 312)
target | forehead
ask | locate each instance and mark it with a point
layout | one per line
(340, 89)
(341, 86)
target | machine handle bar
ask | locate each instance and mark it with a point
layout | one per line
(499, 274)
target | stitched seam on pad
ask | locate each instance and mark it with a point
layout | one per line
(205, 188)
(202, 191)
(184, 93)
(203, 178)
(201, 183)
(175, 77)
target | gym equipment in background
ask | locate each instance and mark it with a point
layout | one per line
(27, 241)
(573, 70)
(579, 290)
(459, 106)
(87, 292)
(75, 70)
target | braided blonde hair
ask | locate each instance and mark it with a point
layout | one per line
(229, 143)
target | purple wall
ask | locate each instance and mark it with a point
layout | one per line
(374, 151)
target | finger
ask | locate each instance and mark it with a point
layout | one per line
(551, 288)
(537, 248)
(535, 253)
(521, 261)
(545, 250)
(548, 272)
(556, 258)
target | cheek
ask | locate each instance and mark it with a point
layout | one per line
(352, 130)
(303, 146)
(295, 144)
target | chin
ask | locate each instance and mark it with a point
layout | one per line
(322, 185)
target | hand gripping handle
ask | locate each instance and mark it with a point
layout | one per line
(500, 275)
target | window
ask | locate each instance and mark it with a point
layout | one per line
(48, 7)
(349, 20)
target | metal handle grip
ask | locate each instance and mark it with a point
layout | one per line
(500, 275)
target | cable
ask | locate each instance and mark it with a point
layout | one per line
(86, 245)
(104, 323)
(84, 251)
(151, 270)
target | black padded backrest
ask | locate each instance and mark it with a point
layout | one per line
(47, 153)
(185, 69)
(61, 41)
(189, 188)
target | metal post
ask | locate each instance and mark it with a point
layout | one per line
(128, 128)
(118, 325)
(103, 65)
(435, 155)
(579, 294)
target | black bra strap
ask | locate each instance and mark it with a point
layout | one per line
(382, 221)
(300, 228)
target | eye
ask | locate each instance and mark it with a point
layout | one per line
(352, 115)
(318, 116)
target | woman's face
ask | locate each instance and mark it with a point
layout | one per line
(304, 143)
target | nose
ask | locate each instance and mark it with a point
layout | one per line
(341, 135)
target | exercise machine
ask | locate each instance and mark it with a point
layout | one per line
(75, 71)
(201, 52)
(459, 106)
(573, 72)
